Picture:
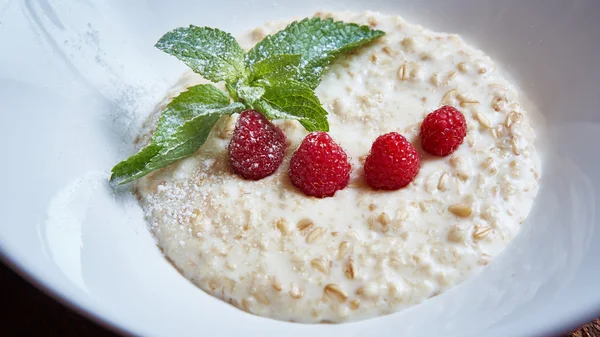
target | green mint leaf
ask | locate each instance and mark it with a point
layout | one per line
(135, 166)
(318, 41)
(182, 129)
(192, 134)
(210, 52)
(276, 67)
(289, 99)
(197, 100)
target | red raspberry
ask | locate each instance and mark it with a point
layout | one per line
(393, 162)
(319, 167)
(257, 146)
(442, 131)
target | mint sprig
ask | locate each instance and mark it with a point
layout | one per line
(276, 77)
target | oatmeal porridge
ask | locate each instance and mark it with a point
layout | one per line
(268, 249)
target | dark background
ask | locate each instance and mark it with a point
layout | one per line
(28, 312)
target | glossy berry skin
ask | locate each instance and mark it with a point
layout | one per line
(257, 146)
(392, 163)
(319, 167)
(443, 131)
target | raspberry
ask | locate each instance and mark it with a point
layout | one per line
(257, 146)
(393, 162)
(442, 131)
(319, 167)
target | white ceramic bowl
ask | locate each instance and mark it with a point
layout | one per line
(72, 73)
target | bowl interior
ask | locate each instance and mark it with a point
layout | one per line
(78, 78)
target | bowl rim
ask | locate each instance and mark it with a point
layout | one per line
(567, 324)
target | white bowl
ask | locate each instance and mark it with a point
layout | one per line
(71, 74)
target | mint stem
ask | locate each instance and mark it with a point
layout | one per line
(233, 93)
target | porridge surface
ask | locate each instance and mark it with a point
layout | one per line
(270, 250)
